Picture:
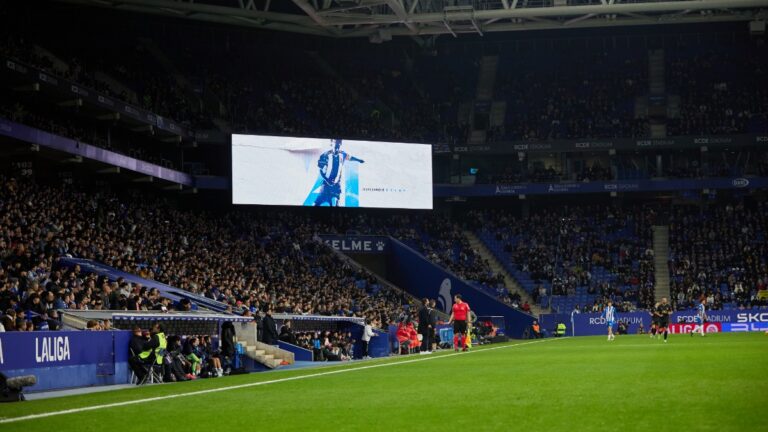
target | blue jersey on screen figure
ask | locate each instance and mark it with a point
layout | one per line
(331, 166)
(609, 314)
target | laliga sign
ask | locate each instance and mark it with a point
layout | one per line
(687, 328)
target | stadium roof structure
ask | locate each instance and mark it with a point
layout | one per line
(380, 20)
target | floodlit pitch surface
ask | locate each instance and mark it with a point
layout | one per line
(718, 383)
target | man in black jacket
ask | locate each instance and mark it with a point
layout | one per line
(269, 329)
(136, 346)
(425, 326)
(228, 336)
(433, 322)
(137, 341)
(286, 333)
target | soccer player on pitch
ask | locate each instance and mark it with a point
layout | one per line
(459, 315)
(663, 310)
(609, 313)
(701, 317)
(655, 321)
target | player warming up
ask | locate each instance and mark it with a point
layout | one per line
(701, 318)
(459, 316)
(331, 165)
(609, 314)
(663, 310)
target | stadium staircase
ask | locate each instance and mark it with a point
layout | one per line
(486, 78)
(498, 113)
(657, 87)
(661, 260)
(268, 355)
(477, 137)
(656, 71)
(509, 281)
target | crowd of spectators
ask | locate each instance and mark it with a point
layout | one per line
(441, 240)
(19, 113)
(404, 94)
(721, 89)
(605, 251)
(594, 172)
(267, 99)
(717, 162)
(593, 98)
(444, 243)
(78, 129)
(251, 264)
(251, 261)
(327, 345)
(538, 173)
(347, 98)
(719, 253)
(119, 72)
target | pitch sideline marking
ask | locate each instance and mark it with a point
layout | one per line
(260, 383)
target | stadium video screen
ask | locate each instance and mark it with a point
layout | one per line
(292, 171)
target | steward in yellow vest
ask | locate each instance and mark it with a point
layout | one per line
(560, 330)
(155, 346)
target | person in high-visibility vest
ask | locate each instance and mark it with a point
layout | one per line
(155, 346)
(560, 330)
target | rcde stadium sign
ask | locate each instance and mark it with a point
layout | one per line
(449, 190)
(357, 244)
(509, 147)
(739, 317)
(725, 321)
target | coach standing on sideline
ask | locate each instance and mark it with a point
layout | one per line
(425, 326)
(433, 322)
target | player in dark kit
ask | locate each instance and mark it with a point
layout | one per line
(655, 321)
(459, 316)
(663, 310)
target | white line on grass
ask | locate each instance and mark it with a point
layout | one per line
(255, 384)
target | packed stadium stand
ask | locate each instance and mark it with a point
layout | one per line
(592, 97)
(719, 252)
(439, 239)
(478, 103)
(360, 195)
(576, 256)
(250, 261)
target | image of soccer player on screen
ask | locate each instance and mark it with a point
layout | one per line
(331, 166)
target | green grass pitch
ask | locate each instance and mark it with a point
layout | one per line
(717, 383)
